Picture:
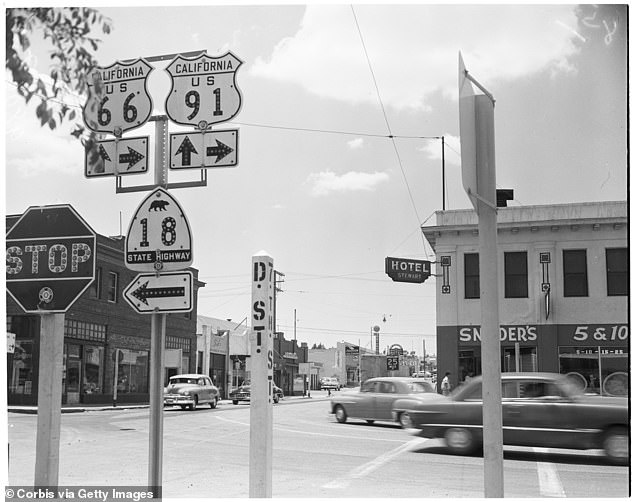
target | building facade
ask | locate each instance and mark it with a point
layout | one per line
(563, 281)
(104, 339)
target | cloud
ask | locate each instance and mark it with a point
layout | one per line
(355, 144)
(324, 183)
(433, 149)
(413, 50)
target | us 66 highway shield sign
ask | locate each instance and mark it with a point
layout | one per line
(204, 90)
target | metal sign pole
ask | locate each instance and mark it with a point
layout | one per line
(49, 400)
(157, 342)
(157, 360)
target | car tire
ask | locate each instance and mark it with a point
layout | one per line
(235, 401)
(340, 414)
(460, 441)
(276, 398)
(370, 421)
(405, 420)
(194, 405)
(183, 406)
(616, 445)
(214, 403)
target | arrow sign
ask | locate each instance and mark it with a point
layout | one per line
(195, 150)
(131, 155)
(168, 292)
(219, 151)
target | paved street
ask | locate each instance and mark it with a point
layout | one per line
(206, 454)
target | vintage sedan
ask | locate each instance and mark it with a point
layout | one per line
(538, 409)
(243, 393)
(376, 398)
(190, 390)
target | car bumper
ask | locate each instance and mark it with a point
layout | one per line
(177, 400)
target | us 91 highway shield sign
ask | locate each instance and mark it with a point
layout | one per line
(204, 90)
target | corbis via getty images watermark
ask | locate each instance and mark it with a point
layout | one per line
(83, 493)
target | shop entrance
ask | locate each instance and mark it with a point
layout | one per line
(72, 372)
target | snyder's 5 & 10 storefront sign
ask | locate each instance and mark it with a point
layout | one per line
(566, 334)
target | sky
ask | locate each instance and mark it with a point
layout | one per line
(343, 107)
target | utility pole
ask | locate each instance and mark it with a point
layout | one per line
(276, 289)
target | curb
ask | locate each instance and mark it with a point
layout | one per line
(32, 410)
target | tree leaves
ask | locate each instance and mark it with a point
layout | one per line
(68, 30)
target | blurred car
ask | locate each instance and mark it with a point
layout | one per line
(243, 393)
(329, 383)
(376, 398)
(190, 390)
(538, 409)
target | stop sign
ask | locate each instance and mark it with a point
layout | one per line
(50, 258)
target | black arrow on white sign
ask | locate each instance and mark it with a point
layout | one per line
(219, 151)
(143, 292)
(130, 158)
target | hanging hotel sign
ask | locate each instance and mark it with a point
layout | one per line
(407, 270)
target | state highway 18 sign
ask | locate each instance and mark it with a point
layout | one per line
(204, 90)
(159, 236)
(118, 97)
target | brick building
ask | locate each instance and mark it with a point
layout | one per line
(99, 329)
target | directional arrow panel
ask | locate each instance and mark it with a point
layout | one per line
(195, 150)
(167, 292)
(130, 156)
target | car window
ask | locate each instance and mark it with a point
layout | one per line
(536, 389)
(387, 388)
(474, 393)
(418, 387)
(369, 386)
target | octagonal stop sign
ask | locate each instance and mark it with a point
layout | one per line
(50, 259)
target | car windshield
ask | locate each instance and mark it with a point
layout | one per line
(419, 387)
(182, 380)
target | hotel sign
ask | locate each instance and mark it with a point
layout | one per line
(407, 270)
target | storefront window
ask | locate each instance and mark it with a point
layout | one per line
(598, 370)
(132, 375)
(93, 369)
(21, 377)
(527, 359)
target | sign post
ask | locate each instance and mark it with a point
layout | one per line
(261, 429)
(478, 173)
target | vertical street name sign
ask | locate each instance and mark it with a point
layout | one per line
(118, 98)
(261, 431)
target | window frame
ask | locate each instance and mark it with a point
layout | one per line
(471, 276)
(113, 289)
(621, 276)
(511, 289)
(568, 275)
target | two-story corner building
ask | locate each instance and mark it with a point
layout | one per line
(564, 292)
(101, 331)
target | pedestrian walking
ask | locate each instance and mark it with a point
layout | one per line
(445, 385)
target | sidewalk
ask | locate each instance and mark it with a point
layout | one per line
(320, 395)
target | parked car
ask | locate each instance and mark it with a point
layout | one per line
(538, 409)
(243, 393)
(329, 383)
(376, 398)
(190, 390)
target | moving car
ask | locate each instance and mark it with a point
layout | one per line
(243, 393)
(190, 390)
(538, 409)
(330, 383)
(376, 399)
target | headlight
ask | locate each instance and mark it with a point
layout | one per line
(185, 393)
